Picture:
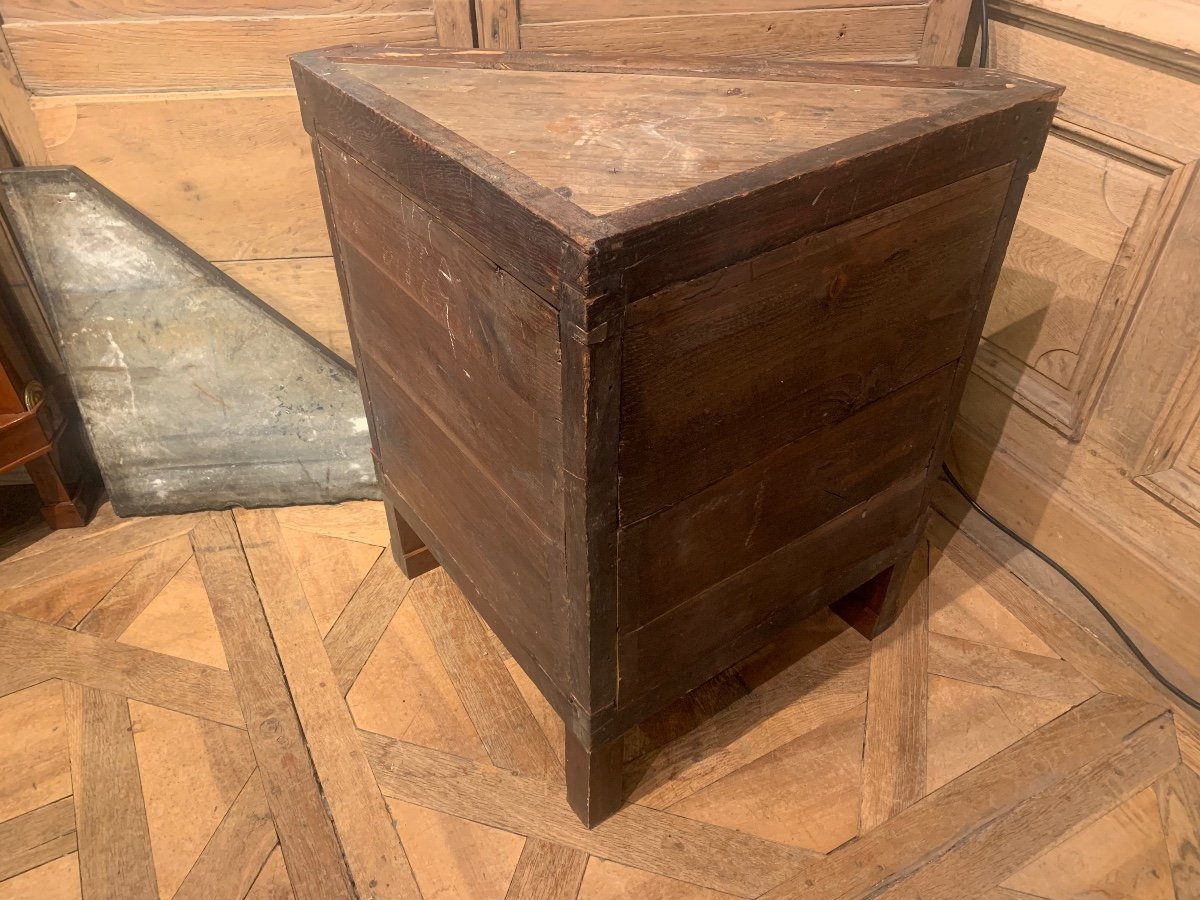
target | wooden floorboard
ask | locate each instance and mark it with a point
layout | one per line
(352, 733)
(115, 859)
(897, 696)
(237, 851)
(370, 846)
(310, 847)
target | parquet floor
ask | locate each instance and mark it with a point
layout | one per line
(259, 705)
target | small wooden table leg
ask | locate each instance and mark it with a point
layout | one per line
(59, 508)
(409, 551)
(594, 779)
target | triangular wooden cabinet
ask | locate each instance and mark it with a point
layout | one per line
(660, 356)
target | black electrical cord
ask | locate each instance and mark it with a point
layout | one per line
(984, 36)
(1108, 617)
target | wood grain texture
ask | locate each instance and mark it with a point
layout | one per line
(1010, 670)
(302, 821)
(945, 29)
(657, 841)
(198, 53)
(682, 338)
(157, 678)
(364, 619)
(829, 680)
(16, 116)
(940, 821)
(110, 815)
(511, 734)
(895, 742)
(137, 588)
(1179, 808)
(452, 19)
(38, 837)
(535, 12)
(304, 290)
(155, 151)
(767, 754)
(1006, 844)
(237, 850)
(547, 871)
(369, 843)
(884, 34)
(672, 555)
(109, 10)
(497, 24)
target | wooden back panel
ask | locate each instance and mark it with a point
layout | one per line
(778, 420)
(928, 31)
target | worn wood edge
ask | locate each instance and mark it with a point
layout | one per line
(586, 245)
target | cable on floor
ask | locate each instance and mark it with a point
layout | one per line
(1183, 696)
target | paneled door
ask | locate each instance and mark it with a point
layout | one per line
(1080, 427)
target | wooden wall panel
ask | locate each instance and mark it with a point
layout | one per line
(878, 33)
(191, 53)
(228, 173)
(1080, 427)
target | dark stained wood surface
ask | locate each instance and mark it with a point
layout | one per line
(659, 356)
(751, 357)
(669, 557)
(693, 641)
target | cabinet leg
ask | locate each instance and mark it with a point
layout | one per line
(870, 609)
(409, 551)
(59, 508)
(594, 779)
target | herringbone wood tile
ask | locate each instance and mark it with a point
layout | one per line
(260, 704)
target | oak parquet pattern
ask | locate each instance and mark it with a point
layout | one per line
(259, 704)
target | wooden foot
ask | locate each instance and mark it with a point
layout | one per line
(409, 551)
(59, 508)
(594, 779)
(870, 609)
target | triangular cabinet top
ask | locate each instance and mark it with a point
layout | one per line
(617, 159)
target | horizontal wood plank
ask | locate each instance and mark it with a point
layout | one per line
(198, 53)
(1009, 670)
(709, 628)
(880, 34)
(539, 12)
(228, 173)
(37, 837)
(505, 554)
(712, 366)
(1005, 845)
(14, 11)
(674, 554)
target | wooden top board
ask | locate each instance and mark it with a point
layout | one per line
(531, 152)
(609, 140)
